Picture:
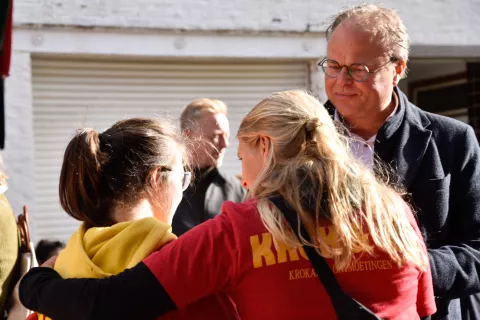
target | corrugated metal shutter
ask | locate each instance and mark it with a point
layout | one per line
(73, 92)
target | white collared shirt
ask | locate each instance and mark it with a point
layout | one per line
(362, 149)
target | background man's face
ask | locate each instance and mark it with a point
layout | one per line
(211, 140)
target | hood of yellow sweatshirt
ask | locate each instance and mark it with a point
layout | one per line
(102, 252)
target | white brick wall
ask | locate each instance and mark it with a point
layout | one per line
(430, 22)
(18, 153)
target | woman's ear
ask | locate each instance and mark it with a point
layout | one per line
(265, 146)
(155, 177)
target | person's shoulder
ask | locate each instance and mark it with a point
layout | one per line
(244, 217)
(8, 223)
(246, 207)
(439, 124)
(446, 124)
(6, 211)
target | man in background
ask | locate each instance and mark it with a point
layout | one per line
(204, 122)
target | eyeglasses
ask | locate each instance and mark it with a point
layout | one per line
(357, 71)
(186, 177)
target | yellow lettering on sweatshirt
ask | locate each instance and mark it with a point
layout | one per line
(266, 252)
(273, 253)
(262, 250)
(282, 251)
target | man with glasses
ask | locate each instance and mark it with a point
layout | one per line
(437, 159)
(204, 122)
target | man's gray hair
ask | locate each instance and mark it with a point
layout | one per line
(196, 109)
(383, 23)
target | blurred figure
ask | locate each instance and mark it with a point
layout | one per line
(204, 122)
(9, 246)
(46, 249)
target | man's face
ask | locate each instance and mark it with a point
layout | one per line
(352, 99)
(211, 139)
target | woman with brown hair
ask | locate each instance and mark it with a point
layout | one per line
(125, 184)
(290, 149)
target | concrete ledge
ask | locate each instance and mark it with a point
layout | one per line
(166, 44)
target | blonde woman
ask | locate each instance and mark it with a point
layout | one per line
(290, 147)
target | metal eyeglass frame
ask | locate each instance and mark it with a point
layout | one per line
(186, 179)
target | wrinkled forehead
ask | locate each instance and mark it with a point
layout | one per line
(350, 43)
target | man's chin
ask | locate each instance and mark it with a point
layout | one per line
(218, 163)
(213, 162)
(347, 110)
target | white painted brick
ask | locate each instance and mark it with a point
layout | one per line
(317, 82)
(18, 154)
(430, 22)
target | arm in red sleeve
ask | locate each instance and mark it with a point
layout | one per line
(201, 262)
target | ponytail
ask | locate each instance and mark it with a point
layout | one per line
(80, 186)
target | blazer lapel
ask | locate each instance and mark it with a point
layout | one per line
(410, 150)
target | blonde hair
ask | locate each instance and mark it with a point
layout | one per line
(197, 109)
(310, 165)
(383, 23)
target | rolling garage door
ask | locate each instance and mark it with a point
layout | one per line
(72, 92)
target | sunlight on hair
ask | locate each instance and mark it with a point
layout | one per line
(310, 165)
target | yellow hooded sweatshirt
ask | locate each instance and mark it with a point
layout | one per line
(102, 252)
